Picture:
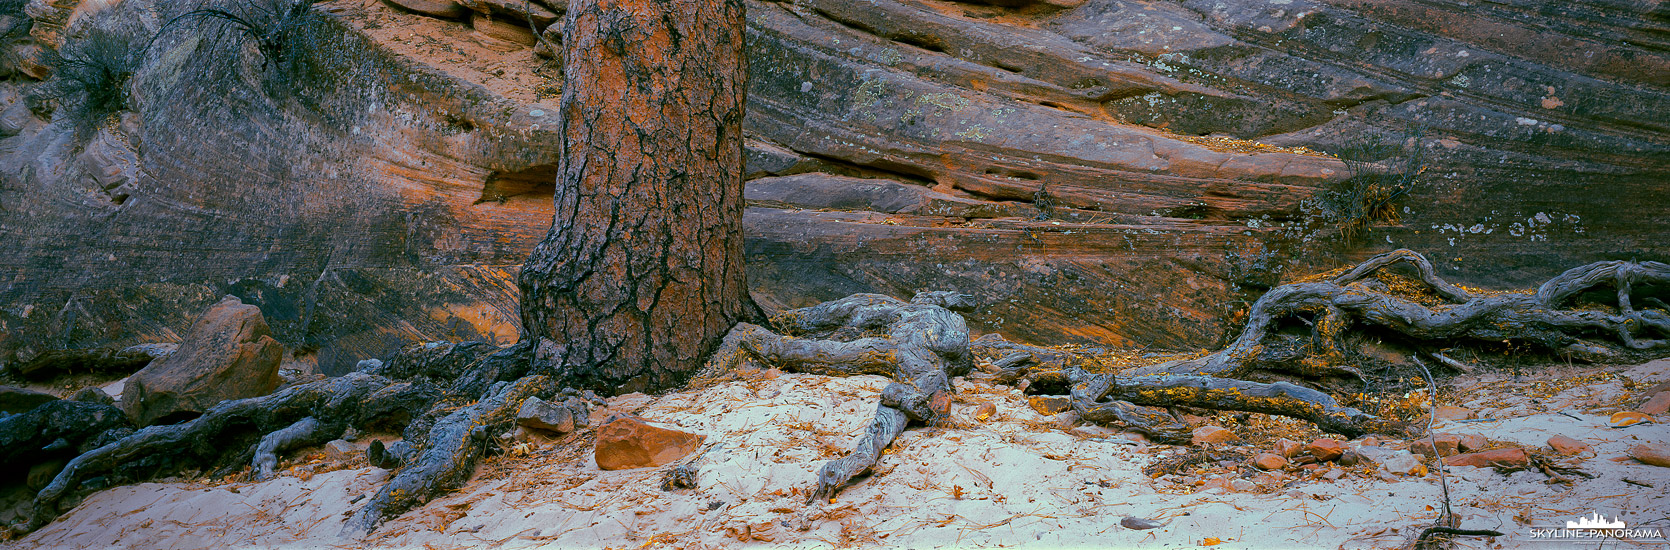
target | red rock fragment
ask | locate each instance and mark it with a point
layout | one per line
(1568, 446)
(1511, 456)
(1213, 434)
(1326, 449)
(629, 442)
(1269, 461)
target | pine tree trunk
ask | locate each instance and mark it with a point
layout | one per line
(641, 274)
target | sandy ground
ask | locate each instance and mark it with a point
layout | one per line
(1019, 480)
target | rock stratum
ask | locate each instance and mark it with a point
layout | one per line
(1106, 172)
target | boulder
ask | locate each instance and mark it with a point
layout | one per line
(1326, 449)
(562, 417)
(1658, 404)
(503, 29)
(227, 354)
(1657, 454)
(1163, 219)
(1511, 456)
(1568, 446)
(630, 442)
(19, 400)
(1212, 434)
(1269, 461)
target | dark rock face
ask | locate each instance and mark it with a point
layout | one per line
(228, 354)
(19, 400)
(1074, 165)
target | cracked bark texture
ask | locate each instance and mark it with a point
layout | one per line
(641, 273)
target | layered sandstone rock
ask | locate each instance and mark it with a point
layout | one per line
(1080, 167)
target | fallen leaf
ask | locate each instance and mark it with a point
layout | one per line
(1211, 541)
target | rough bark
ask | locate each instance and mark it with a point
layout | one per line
(923, 345)
(641, 273)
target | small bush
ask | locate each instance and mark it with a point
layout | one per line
(92, 76)
(1382, 174)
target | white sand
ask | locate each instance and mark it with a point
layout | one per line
(1024, 482)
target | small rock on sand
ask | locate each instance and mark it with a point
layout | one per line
(1448, 412)
(1133, 522)
(1657, 454)
(1326, 449)
(1212, 434)
(1049, 405)
(1473, 442)
(1402, 463)
(1568, 446)
(1511, 456)
(1269, 461)
(1448, 444)
(1659, 404)
(629, 442)
(1288, 448)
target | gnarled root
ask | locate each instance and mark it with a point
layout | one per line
(1353, 299)
(455, 442)
(1104, 397)
(925, 344)
(204, 438)
(305, 432)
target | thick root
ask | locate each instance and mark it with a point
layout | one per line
(1352, 299)
(454, 444)
(925, 344)
(305, 432)
(203, 438)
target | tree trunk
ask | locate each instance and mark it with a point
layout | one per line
(641, 274)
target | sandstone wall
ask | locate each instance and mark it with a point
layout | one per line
(1044, 157)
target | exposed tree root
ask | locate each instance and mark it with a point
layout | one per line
(455, 443)
(444, 428)
(1438, 314)
(920, 344)
(305, 432)
(1354, 299)
(452, 399)
(204, 439)
(57, 428)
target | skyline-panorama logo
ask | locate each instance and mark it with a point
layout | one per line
(1596, 521)
(1596, 526)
